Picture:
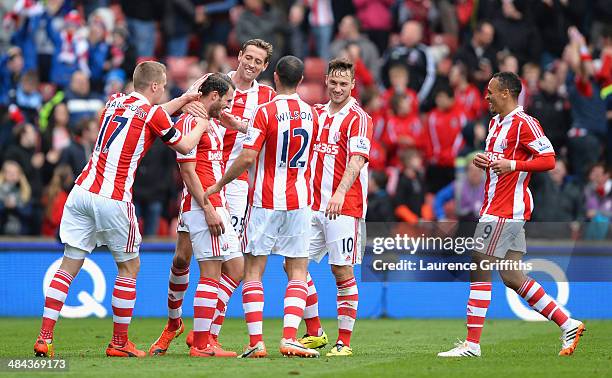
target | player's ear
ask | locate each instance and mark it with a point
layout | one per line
(265, 67)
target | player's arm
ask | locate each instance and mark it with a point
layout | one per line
(360, 133)
(195, 188)
(189, 141)
(246, 159)
(533, 140)
(351, 172)
(539, 163)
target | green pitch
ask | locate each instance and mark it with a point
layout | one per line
(383, 348)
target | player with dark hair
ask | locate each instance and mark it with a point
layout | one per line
(515, 148)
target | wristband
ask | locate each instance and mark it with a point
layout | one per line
(512, 165)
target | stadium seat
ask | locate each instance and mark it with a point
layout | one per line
(314, 69)
(312, 93)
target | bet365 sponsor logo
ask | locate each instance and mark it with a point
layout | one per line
(215, 155)
(326, 148)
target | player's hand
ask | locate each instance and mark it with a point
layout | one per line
(215, 224)
(501, 166)
(196, 85)
(213, 189)
(196, 109)
(229, 121)
(334, 206)
(481, 161)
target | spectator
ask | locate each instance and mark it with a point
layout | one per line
(141, 17)
(443, 139)
(215, 60)
(212, 18)
(587, 106)
(416, 57)
(26, 152)
(598, 194)
(467, 95)
(78, 152)
(11, 69)
(403, 130)
(375, 19)
(114, 83)
(466, 191)
(152, 187)
(516, 32)
(349, 33)
(398, 80)
(55, 198)
(259, 21)
(560, 202)
(122, 54)
(320, 20)
(99, 50)
(380, 205)
(479, 55)
(424, 12)
(27, 98)
(71, 47)
(552, 111)
(372, 104)
(79, 99)
(411, 188)
(15, 200)
(178, 22)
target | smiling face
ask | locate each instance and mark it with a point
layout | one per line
(496, 96)
(339, 84)
(220, 103)
(251, 62)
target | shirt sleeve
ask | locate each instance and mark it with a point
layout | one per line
(360, 135)
(184, 126)
(161, 125)
(533, 139)
(257, 130)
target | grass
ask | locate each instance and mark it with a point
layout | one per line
(383, 348)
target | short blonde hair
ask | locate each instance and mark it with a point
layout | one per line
(148, 72)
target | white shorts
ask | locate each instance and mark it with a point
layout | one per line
(277, 232)
(500, 235)
(342, 238)
(208, 247)
(90, 220)
(236, 194)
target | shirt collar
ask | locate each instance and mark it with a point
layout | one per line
(519, 108)
(345, 109)
(140, 96)
(293, 96)
(254, 87)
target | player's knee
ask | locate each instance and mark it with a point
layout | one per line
(342, 272)
(235, 269)
(129, 268)
(181, 261)
(512, 280)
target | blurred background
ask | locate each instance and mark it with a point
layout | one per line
(422, 67)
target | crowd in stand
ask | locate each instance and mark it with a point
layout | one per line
(422, 67)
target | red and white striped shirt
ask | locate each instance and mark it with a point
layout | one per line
(128, 127)
(443, 135)
(243, 106)
(321, 12)
(283, 131)
(346, 133)
(208, 156)
(516, 137)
